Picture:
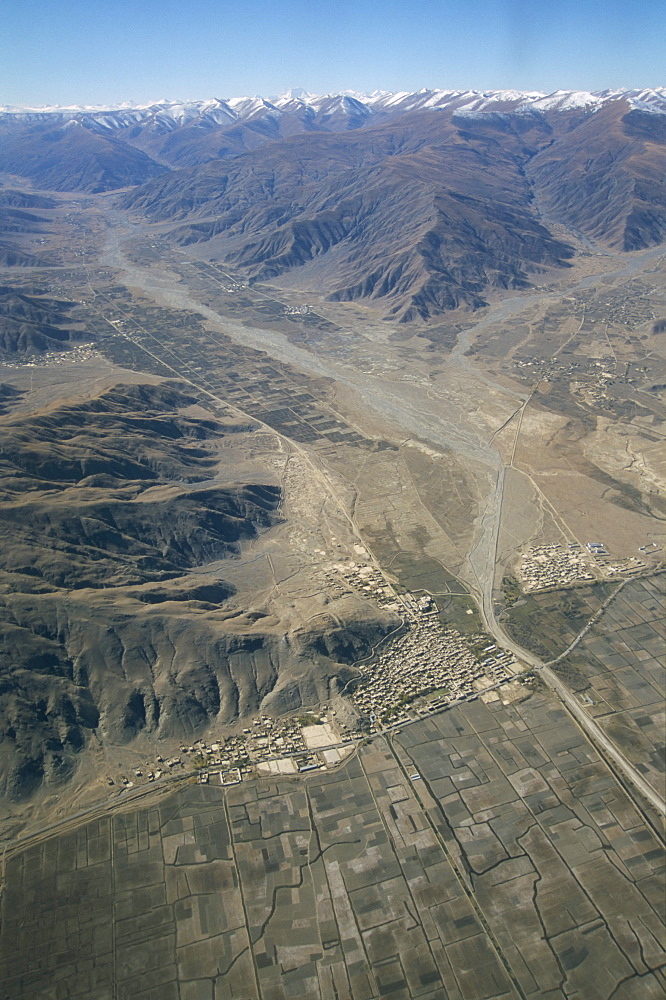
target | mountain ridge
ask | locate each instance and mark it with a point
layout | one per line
(422, 213)
(473, 100)
(415, 203)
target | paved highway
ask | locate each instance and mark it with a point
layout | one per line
(584, 720)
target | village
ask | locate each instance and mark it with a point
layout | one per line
(74, 355)
(425, 669)
(366, 580)
(546, 566)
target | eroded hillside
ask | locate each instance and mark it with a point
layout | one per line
(115, 615)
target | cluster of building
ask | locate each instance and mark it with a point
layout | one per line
(544, 367)
(154, 773)
(589, 378)
(365, 578)
(546, 566)
(424, 670)
(73, 355)
(368, 581)
(631, 565)
(595, 391)
(264, 739)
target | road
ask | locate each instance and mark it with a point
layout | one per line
(584, 720)
(484, 569)
(447, 424)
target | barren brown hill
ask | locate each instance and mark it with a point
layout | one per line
(424, 202)
(605, 178)
(18, 218)
(71, 157)
(427, 211)
(13, 256)
(31, 323)
(109, 513)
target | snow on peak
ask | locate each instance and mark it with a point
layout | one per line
(168, 113)
(295, 94)
(296, 98)
(648, 100)
(566, 100)
(246, 108)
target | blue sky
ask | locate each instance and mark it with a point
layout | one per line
(70, 51)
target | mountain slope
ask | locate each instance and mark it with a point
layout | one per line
(606, 177)
(114, 615)
(419, 202)
(71, 157)
(31, 322)
(425, 212)
(429, 209)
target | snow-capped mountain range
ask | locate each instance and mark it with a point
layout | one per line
(419, 200)
(355, 105)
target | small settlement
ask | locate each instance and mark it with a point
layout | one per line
(545, 566)
(74, 355)
(423, 670)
